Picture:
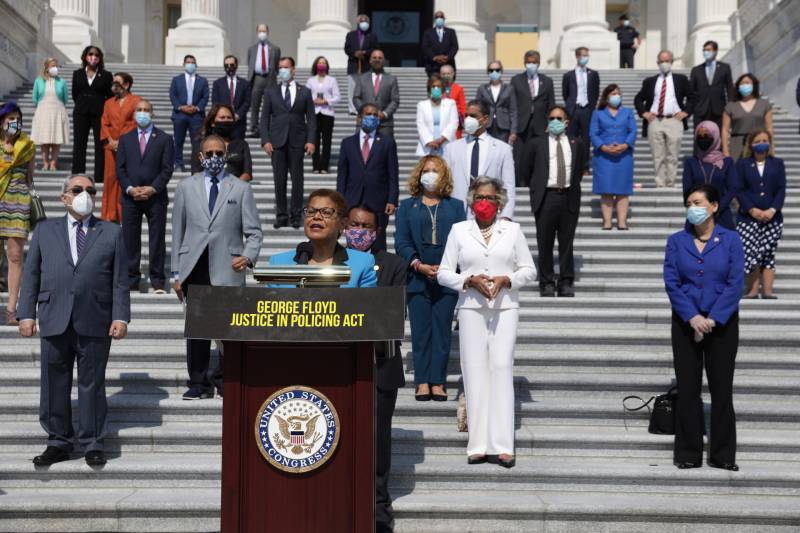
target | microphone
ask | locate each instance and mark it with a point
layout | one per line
(305, 250)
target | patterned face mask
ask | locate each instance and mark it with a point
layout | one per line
(360, 238)
(214, 164)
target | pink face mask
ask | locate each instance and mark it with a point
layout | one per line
(93, 60)
(322, 68)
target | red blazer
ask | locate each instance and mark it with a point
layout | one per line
(457, 94)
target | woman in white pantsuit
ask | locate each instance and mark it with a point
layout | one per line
(494, 262)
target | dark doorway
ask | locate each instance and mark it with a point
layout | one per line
(399, 25)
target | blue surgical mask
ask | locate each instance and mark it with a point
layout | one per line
(531, 68)
(556, 127)
(363, 26)
(13, 127)
(190, 68)
(436, 93)
(370, 123)
(583, 61)
(614, 100)
(439, 22)
(494, 75)
(697, 215)
(143, 119)
(284, 74)
(745, 89)
(708, 55)
(760, 148)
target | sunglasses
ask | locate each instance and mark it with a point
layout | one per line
(77, 190)
(209, 155)
(490, 197)
(495, 70)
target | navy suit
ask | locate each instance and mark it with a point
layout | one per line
(432, 47)
(351, 46)
(181, 121)
(221, 94)
(707, 283)
(726, 181)
(580, 117)
(374, 183)
(762, 192)
(153, 169)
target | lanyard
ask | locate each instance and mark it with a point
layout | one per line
(706, 177)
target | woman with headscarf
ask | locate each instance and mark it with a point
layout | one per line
(712, 167)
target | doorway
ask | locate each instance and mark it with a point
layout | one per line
(399, 25)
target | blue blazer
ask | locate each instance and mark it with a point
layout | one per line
(362, 266)
(153, 169)
(408, 239)
(726, 181)
(708, 283)
(760, 192)
(177, 94)
(376, 182)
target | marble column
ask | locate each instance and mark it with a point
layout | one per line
(324, 33)
(73, 29)
(199, 32)
(461, 15)
(108, 26)
(677, 28)
(712, 23)
(584, 24)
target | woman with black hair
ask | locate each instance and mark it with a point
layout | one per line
(703, 276)
(91, 87)
(221, 120)
(325, 90)
(743, 115)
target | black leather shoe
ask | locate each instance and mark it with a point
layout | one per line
(566, 290)
(422, 397)
(733, 467)
(476, 459)
(683, 465)
(95, 458)
(507, 463)
(547, 291)
(195, 393)
(280, 224)
(296, 224)
(51, 455)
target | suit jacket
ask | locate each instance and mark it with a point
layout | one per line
(220, 94)
(503, 112)
(710, 282)
(569, 89)
(797, 92)
(499, 163)
(273, 58)
(762, 192)
(431, 47)
(646, 96)
(178, 96)
(710, 99)
(545, 99)
(391, 270)
(362, 266)
(354, 64)
(90, 99)
(376, 182)
(388, 99)
(448, 123)
(153, 169)
(280, 125)
(536, 165)
(90, 294)
(726, 180)
(233, 229)
(467, 254)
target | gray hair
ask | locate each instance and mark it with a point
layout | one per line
(65, 186)
(500, 189)
(665, 51)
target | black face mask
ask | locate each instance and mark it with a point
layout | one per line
(704, 143)
(230, 71)
(224, 129)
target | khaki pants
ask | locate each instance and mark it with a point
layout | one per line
(665, 143)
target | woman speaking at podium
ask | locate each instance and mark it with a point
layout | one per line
(325, 216)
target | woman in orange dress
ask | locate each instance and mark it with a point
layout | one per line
(118, 119)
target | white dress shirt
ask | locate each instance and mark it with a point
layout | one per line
(552, 176)
(535, 79)
(495, 91)
(440, 33)
(364, 135)
(483, 149)
(190, 79)
(73, 239)
(671, 106)
(90, 77)
(581, 77)
(261, 67)
(147, 132)
(292, 86)
(228, 81)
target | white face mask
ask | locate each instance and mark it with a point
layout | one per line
(262, 36)
(53, 71)
(471, 125)
(429, 180)
(83, 204)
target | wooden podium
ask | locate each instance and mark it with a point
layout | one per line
(298, 411)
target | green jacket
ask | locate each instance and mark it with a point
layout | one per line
(40, 85)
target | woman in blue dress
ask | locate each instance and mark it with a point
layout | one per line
(613, 134)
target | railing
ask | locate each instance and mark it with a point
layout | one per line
(749, 15)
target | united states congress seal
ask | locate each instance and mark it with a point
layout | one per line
(297, 429)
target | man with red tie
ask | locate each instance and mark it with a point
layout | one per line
(380, 88)
(262, 67)
(234, 91)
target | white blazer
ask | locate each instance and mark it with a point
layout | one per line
(498, 163)
(506, 254)
(448, 123)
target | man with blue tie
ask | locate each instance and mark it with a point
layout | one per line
(711, 86)
(580, 88)
(234, 91)
(188, 93)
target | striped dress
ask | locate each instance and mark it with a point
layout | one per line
(15, 202)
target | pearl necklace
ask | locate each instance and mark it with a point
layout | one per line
(486, 233)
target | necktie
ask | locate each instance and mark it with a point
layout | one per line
(365, 149)
(377, 85)
(532, 87)
(232, 90)
(663, 97)
(80, 237)
(476, 156)
(189, 90)
(287, 96)
(263, 59)
(212, 196)
(142, 143)
(561, 165)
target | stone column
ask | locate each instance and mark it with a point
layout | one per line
(584, 24)
(109, 29)
(677, 26)
(324, 34)
(72, 27)
(199, 32)
(712, 23)
(461, 15)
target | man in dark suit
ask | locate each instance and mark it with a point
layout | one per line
(358, 45)
(380, 88)
(144, 167)
(392, 271)
(580, 88)
(711, 86)
(368, 170)
(439, 45)
(664, 102)
(234, 91)
(262, 67)
(74, 281)
(288, 130)
(554, 167)
(535, 96)
(188, 93)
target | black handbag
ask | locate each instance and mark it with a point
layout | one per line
(662, 415)
(37, 209)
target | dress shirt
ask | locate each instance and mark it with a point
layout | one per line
(362, 135)
(190, 79)
(552, 176)
(581, 78)
(671, 106)
(228, 81)
(292, 90)
(711, 68)
(440, 33)
(760, 167)
(495, 91)
(535, 79)
(90, 78)
(207, 180)
(147, 132)
(374, 75)
(483, 150)
(261, 67)
(73, 241)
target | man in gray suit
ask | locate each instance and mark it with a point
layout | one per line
(480, 154)
(216, 235)
(380, 88)
(76, 281)
(262, 65)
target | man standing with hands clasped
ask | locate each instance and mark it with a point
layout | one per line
(75, 283)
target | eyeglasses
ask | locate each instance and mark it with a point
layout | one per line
(77, 190)
(490, 197)
(560, 119)
(218, 153)
(325, 212)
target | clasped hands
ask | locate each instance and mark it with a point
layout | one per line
(488, 286)
(614, 149)
(701, 326)
(141, 193)
(762, 215)
(268, 148)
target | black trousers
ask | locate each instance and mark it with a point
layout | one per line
(579, 126)
(626, 57)
(554, 220)
(322, 152)
(518, 150)
(82, 124)
(155, 210)
(198, 351)
(498, 133)
(718, 351)
(385, 403)
(288, 159)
